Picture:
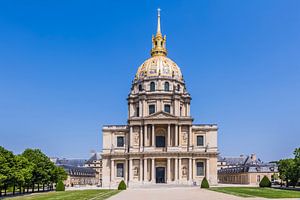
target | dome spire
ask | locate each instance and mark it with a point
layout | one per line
(158, 22)
(158, 42)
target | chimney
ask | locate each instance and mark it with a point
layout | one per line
(253, 157)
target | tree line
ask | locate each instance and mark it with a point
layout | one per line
(28, 171)
(289, 169)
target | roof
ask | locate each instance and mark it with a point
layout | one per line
(263, 168)
(94, 157)
(71, 162)
(79, 171)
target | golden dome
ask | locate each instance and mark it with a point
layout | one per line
(159, 66)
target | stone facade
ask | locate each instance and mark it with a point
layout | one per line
(159, 144)
(245, 170)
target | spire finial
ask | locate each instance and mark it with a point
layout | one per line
(158, 41)
(158, 21)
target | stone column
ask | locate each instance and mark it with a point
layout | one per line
(176, 135)
(130, 169)
(141, 137)
(179, 170)
(179, 134)
(112, 170)
(190, 136)
(129, 137)
(145, 135)
(168, 170)
(194, 170)
(141, 170)
(176, 169)
(169, 135)
(153, 171)
(153, 135)
(126, 171)
(190, 169)
(145, 170)
(207, 169)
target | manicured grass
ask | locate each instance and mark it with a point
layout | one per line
(257, 192)
(70, 195)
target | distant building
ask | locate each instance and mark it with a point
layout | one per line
(95, 162)
(245, 170)
(78, 174)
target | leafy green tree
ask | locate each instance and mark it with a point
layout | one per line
(204, 183)
(6, 169)
(60, 186)
(22, 172)
(41, 168)
(265, 182)
(122, 185)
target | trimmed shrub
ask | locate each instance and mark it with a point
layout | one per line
(265, 182)
(60, 186)
(204, 183)
(122, 185)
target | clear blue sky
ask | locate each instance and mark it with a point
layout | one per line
(66, 68)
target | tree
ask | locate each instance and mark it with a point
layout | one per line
(57, 174)
(41, 166)
(6, 168)
(22, 172)
(60, 186)
(122, 185)
(204, 183)
(265, 182)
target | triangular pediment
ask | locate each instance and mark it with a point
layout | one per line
(160, 115)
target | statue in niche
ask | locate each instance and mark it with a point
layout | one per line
(135, 171)
(136, 138)
(184, 171)
(184, 137)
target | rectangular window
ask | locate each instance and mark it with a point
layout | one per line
(200, 141)
(200, 169)
(120, 170)
(120, 141)
(137, 111)
(151, 109)
(167, 108)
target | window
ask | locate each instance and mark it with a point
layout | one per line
(180, 110)
(167, 108)
(167, 86)
(151, 109)
(137, 111)
(200, 141)
(160, 141)
(120, 170)
(178, 87)
(152, 86)
(120, 141)
(200, 169)
(140, 87)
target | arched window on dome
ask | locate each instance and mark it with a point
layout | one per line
(152, 86)
(178, 87)
(167, 86)
(140, 87)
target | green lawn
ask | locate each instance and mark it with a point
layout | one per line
(257, 192)
(70, 195)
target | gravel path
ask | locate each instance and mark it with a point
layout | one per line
(175, 194)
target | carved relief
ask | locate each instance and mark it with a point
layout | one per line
(184, 138)
(136, 138)
(135, 171)
(184, 171)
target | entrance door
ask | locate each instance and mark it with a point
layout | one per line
(160, 175)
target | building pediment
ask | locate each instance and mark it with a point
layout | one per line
(161, 115)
